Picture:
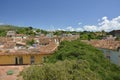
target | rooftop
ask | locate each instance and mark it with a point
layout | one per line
(48, 49)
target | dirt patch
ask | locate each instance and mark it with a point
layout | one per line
(15, 72)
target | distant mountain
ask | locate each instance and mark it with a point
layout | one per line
(9, 27)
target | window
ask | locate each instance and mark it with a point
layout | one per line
(32, 60)
(20, 60)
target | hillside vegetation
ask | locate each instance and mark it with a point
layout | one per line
(5, 28)
(74, 61)
(19, 30)
(9, 27)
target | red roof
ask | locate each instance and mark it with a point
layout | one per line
(43, 50)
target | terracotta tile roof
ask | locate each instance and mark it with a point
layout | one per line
(20, 43)
(106, 44)
(17, 35)
(43, 50)
(51, 47)
(9, 45)
(44, 40)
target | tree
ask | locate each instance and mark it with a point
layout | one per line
(103, 33)
(31, 28)
(84, 36)
(30, 42)
(44, 32)
(38, 30)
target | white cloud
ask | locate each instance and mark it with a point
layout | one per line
(70, 28)
(103, 24)
(90, 28)
(79, 29)
(109, 25)
(61, 29)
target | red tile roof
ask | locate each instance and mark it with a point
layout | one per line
(43, 50)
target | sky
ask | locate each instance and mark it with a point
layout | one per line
(72, 15)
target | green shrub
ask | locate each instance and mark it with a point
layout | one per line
(9, 72)
(61, 70)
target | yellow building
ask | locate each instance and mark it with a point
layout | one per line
(22, 57)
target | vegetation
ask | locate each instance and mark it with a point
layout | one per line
(30, 42)
(92, 35)
(86, 35)
(2, 33)
(20, 30)
(117, 38)
(62, 70)
(5, 28)
(9, 27)
(74, 60)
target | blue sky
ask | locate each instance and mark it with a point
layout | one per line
(61, 14)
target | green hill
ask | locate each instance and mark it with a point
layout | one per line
(19, 30)
(5, 28)
(9, 27)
